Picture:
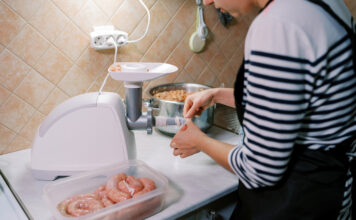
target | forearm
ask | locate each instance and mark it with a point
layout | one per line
(224, 96)
(217, 150)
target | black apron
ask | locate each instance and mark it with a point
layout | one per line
(314, 183)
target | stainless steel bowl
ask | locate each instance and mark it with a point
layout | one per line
(174, 108)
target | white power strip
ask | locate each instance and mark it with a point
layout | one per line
(103, 36)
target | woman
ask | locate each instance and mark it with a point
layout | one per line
(298, 95)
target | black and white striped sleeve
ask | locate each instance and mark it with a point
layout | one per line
(277, 88)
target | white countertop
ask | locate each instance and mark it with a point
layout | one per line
(193, 182)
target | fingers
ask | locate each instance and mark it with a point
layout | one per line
(195, 104)
(184, 128)
(183, 153)
(191, 107)
(187, 106)
(195, 109)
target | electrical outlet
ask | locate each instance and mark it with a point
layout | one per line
(103, 38)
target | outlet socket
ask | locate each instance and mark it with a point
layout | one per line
(100, 37)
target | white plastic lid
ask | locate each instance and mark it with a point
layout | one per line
(138, 72)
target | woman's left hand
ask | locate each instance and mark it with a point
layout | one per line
(185, 142)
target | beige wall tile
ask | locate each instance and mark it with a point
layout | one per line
(75, 81)
(236, 59)
(128, 16)
(218, 84)
(228, 76)
(6, 136)
(165, 43)
(94, 86)
(353, 11)
(229, 46)
(14, 113)
(111, 85)
(121, 91)
(25, 8)
(172, 5)
(182, 53)
(19, 143)
(49, 20)
(72, 41)
(207, 77)
(186, 15)
(159, 19)
(195, 66)
(209, 51)
(128, 53)
(172, 60)
(34, 89)
(218, 62)
(239, 29)
(93, 62)
(53, 65)
(29, 45)
(350, 4)
(10, 24)
(211, 16)
(31, 127)
(149, 3)
(183, 77)
(109, 6)
(4, 94)
(12, 70)
(89, 16)
(55, 98)
(70, 7)
(219, 33)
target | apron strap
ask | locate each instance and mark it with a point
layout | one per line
(350, 30)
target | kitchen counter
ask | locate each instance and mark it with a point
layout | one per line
(193, 182)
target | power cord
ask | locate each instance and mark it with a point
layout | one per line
(112, 40)
(148, 23)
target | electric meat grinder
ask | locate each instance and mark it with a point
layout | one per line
(94, 129)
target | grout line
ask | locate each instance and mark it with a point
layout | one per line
(164, 5)
(6, 97)
(8, 128)
(144, 16)
(34, 110)
(163, 29)
(102, 10)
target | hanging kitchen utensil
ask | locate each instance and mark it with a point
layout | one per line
(197, 40)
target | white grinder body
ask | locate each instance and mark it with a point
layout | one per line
(83, 133)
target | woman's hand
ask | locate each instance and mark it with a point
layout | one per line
(190, 140)
(198, 102)
(185, 142)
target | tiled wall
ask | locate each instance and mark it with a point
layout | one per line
(45, 56)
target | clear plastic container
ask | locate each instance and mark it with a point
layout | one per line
(134, 208)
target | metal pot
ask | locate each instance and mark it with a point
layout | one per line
(174, 108)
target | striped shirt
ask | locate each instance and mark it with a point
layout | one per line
(299, 88)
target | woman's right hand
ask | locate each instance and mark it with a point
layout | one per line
(198, 102)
